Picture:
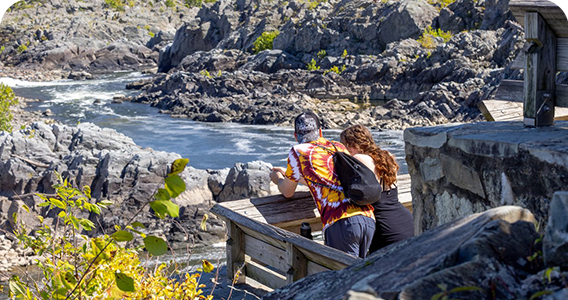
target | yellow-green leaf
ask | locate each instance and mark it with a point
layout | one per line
(122, 236)
(175, 185)
(58, 203)
(207, 266)
(178, 166)
(162, 194)
(165, 207)
(155, 245)
(138, 224)
(204, 222)
(26, 208)
(62, 214)
(124, 282)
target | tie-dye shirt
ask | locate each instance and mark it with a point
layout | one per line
(316, 166)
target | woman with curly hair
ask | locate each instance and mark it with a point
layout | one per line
(394, 221)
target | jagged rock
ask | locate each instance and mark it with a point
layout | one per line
(270, 61)
(82, 75)
(470, 251)
(246, 181)
(555, 242)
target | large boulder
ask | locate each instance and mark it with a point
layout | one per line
(472, 251)
(555, 240)
(247, 181)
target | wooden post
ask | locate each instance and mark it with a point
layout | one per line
(297, 262)
(235, 252)
(540, 72)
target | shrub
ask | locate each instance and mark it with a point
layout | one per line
(441, 3)
(344, 55)
(335, 69)
(264, 41)
(322, 54)
(7, 99)
(193, 3)
(84, 267)
(22, 48)
(170, 3)
(312, 65)
(117, 5)
(427, 37)
(206, 74)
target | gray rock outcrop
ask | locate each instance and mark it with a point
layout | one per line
(114, 168)
(555, 242)
(479, 250)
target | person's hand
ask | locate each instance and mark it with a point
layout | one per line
(275, 175)
(280, 170)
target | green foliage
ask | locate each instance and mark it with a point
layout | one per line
(312, 65)
(427, 37)
(25, 4)
(170, 3)
(344, 54)
(335, 69)
(193, 3)
(78, 266)
(322, 54)
(2, 49)
(22, 48)
(117, 5)
(206, 73)
(439, 4)
(445, 293)
(312, 4)
(265, 41)
(7, 99)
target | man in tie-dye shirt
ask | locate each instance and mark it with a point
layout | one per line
(347, 227)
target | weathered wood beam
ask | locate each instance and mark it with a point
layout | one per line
(540, 72)
(297, 262)
(235, 252)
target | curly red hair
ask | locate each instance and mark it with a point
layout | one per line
(360, 138)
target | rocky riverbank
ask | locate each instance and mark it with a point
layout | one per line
(116, 169)
(433, 68)
(431, 63)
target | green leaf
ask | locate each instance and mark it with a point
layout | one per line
(203, 225)
(466, 289)
(16, 286)
(58, 203)
(105, 203)
(155, 245)
(178, 166)
(26, 208)
(437, 296)
(87, 224)
(540, 294)
(124, 283)
(62, 214)
(159, 208)
(75, 222)
(138, 224)
(175, 185)
(162, 194)
(44, 204)
(87, 191)
(123, 236)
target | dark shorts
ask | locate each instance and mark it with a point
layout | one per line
(352, 235)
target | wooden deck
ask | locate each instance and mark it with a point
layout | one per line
(265, 245)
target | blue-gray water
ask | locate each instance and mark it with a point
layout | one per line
(207, 145)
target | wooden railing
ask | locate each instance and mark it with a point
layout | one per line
(264, 242)
(545, 53)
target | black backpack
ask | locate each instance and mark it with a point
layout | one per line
(358, 181)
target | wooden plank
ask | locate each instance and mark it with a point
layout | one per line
(314, 268)
(266, 253)
(551, 13)
(512, 90)
(265, 200)
(264, 275)
(540, 72)
(332, 258)
(561, 57)
(235, 252)
(498, 110)
(294, 226)
(297, 262)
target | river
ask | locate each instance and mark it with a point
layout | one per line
(207, 145)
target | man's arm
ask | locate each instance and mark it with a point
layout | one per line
(286, 186)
